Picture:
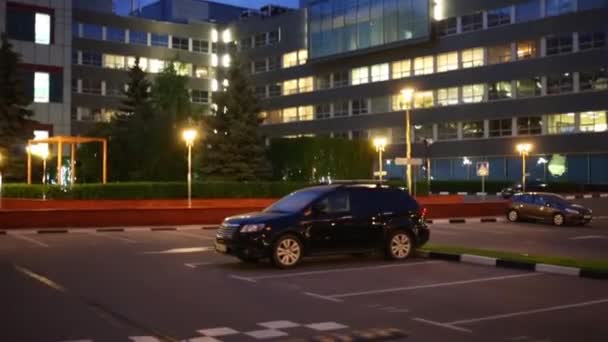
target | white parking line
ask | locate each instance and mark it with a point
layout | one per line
(342, 270)
(430, 286)
(182, 250)
(529, 312)
(327, 298)
(196, 236)
(29, 239)
(589, 237)
(442, 325)
(197, 264)
(110, 236)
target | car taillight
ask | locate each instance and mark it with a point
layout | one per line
(423, 212)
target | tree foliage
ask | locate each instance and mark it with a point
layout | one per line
(14, 112)
(234, 148)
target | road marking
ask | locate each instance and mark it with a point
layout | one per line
(29, 239)
(326, 326)
(589, 237)
(218, 332)
(197, 264)
(40, 278)
(480, 228)
(342, 270)
(182, 250)
(266, 334)
(202, 237)
(144, 339)
(442, 325)
(112, 237)
(328, 298)
(280, 324)
(430, 286)
(251, 280)
(530, 312)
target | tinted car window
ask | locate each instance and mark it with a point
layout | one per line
(522, 198)
(295, 202)
(395, 201)
(337, 202)
(363, 202)
(540, 200)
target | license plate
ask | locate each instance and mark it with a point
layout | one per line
(220, 247)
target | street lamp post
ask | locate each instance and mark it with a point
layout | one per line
(467, 163)
(189, 136)
(408, 94)
(542, 161)
(524, 150)
(427, 146)
(380, 144)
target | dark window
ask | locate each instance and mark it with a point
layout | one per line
(501, 128)
(161, 40)
(74, 85)
(75, 57)
(200, 46)
(359, 135)
(447, 131)
(499, 16)
(337, 202)
(91, 86)
(75, 29)
(260, 92)
(323, 111)
(595, 40)
(274, 90)
(559, 44)
(526, 11)
(594, 80)
(529, 125)
(115, 88)
(340, 79)
(91, 31)
(341, 135)
(199, 96)
(529, 87)
(559, 83)
(360, 107)
(180, 43)
(91, 58)
(260, 39)
(56, 87)
(245, 43)
(138, 37)
(472, 130)
(472, 22)
(323, 82)
(20, 23)
(295, 202)
(213, 47)
(274, 63)
(557, 7)
(341, 108)
(259, 66)
(447, 27)
(114, 34)
(273, 37)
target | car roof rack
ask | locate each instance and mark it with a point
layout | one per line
(362, 182)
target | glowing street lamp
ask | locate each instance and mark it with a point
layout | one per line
(380, 144)
(542, 161)
(408, 94)
(467, 163)
(524, 151)
(189, 135)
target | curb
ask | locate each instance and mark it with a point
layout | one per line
(104, 230)
(370, 335)
(467, 220)
(520, 265)
(569, 197)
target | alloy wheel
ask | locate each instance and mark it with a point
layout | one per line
(513, 216)
(288, 252)
(400, 246)
(558, 219)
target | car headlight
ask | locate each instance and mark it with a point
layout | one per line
(572, 211)
(252, 228)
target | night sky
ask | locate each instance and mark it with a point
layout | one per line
(122, 6)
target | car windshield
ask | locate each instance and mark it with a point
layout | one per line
(295, 202)
(559, 200)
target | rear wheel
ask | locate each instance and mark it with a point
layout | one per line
(513, 215)
(287, 251)
(399, 245)
(559, 220)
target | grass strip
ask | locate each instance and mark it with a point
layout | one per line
(600, 266)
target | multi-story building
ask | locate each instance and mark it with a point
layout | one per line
(487, 75)
(41, 32)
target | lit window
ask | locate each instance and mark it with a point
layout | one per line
(302, 56)
(500, 90)
(43, 29)
(290, 114)
(214, 60)
(113, 61)
(423, 65)
(183, 69)
(214, 85)
(472, 130)
(201, 72)
(214, 35)
(380, 72)
(226, 61)
(290, 87)
(359, 76)
(473, 93)
(41, 87)
(594, 122)
(526, 49)
(561, 123)
(447, 61)
(290, 59)
(472, 58)
(305, 84)
(423, 99)
(305, 113)
(448, 96)
(156, 66)
(143, 63)
(226, 36)
(499, 54)
(402, 69)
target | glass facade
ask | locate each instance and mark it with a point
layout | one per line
(338, 26)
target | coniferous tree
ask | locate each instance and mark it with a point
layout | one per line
(235, 150)
(14, 113)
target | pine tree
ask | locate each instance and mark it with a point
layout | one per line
(235, 149)
(137, 93)
(14, 113)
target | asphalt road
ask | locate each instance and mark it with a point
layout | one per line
(588, 242)
(171, 286)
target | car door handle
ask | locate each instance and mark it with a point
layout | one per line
(347, 217)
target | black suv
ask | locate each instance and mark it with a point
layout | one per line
(330, 219)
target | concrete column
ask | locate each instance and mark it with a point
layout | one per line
(543, 47)
(486, 128)
(514, 127)
(460, 130)
(576, 82)
(435, 132)
(575, 47)
(104, 33)
(543, 81)
(170, 41)
(485, 20)
(127, 36)
(459, 25)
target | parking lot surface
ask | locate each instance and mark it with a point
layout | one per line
(152, 286)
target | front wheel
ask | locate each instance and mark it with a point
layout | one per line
(287, 251)
(559, 220)
(513, 216)
(400, 246)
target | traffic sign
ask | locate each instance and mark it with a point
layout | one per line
(405, 161)
(483, 169)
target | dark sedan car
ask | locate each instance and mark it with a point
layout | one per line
(547, 207)
(330, 219)
(530, 186)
